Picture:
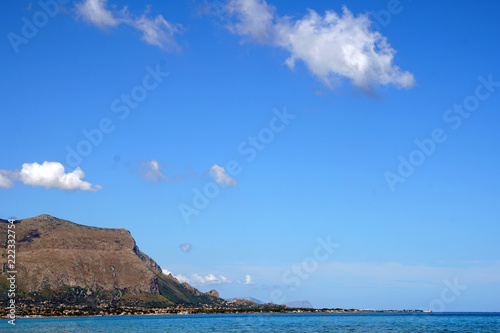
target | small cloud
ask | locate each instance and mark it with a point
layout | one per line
(156, 31)
(186, 247)
(151, 170)
(248, 279)
(221, 177)
(48, 175)
(166, 271)
(332, 46)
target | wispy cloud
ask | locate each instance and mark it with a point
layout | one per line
(221, 177)
(332, 46)
(48, 175)
(186, 247)
(248, 279)
(155, 30)
(254, 19)
(95, 12)
(5, 182)
(151, 170)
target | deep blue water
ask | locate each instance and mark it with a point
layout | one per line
(352, 322)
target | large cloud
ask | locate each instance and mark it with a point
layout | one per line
(155, 31)
(331, 46)
(48, 175)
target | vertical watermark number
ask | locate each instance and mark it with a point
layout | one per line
(11, 272)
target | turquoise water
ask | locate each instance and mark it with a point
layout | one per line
(355, 322)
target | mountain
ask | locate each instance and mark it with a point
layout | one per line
(300, 304)
(61, 262)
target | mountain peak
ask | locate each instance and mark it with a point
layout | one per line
(96, 266)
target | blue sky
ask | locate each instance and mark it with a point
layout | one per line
(234, 138)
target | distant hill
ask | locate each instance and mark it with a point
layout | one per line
(297, 304)
(61, 262)
(300, 304)
(248, 298)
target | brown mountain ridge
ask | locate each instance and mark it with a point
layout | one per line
(61, 262)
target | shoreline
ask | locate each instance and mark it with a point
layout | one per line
(75, 313)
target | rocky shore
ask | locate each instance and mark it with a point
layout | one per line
(62, 311)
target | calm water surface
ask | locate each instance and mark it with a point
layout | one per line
(384, 322)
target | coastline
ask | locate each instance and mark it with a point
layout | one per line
(129, 311)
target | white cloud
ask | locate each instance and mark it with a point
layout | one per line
(186, 247)
(248, 279)
(331, 46)
(49, 175)
(255, 19)
(221, 177)
(156, 31)
(151, 170)
(94, 11)
(197, 280)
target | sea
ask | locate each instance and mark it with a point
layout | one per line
(263, 322)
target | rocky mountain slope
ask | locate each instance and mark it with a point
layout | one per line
(61, 262)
